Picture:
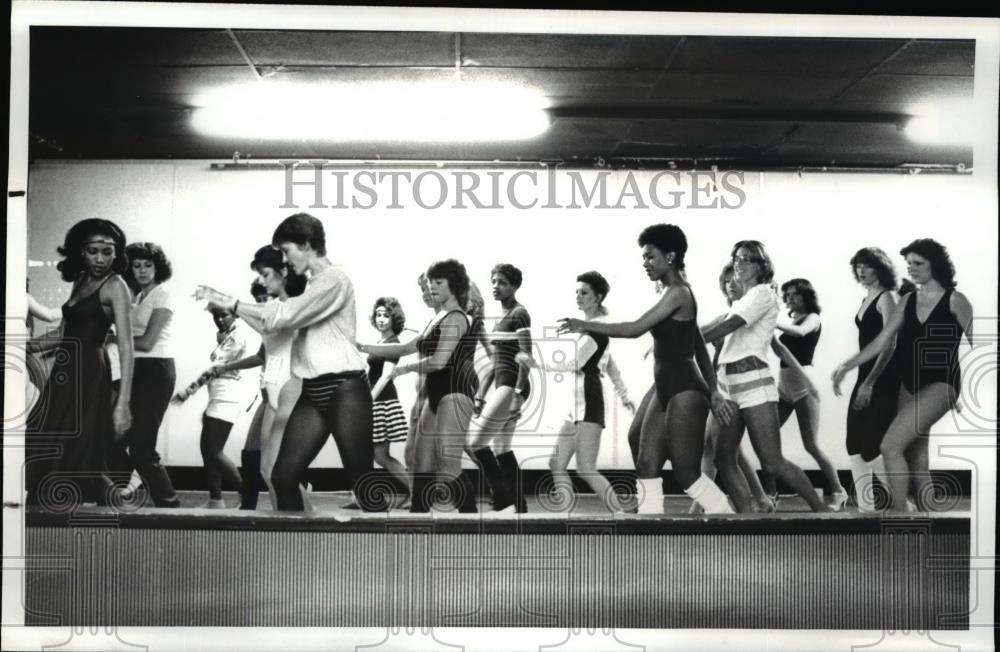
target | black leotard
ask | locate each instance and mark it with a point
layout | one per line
(675, 370)
(458, 376)
(867, 427)
(505, 366)
(928, 352)
(801, 347)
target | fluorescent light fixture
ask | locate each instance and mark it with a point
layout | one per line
(397, 112)
(943, 124)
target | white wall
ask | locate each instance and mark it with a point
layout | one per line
(211, 221)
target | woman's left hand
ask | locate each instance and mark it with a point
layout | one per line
(838, 376)
(121, 419)
(629, 405)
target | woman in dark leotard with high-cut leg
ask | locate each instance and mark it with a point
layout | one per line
(491, 431)
(674, 427)
(446, 349)
(876, 390)
(928, 326)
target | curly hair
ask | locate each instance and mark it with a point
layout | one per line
(879, 261)
(599, 285)
(758, 254)
(942, 269)
(148, 251)
(509, 272)
(805, 290)
(300, 229)
(71, 266)
(395, 310)
(258, 292)
(454, 273)
(667, 238)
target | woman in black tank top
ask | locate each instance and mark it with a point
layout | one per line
(674, 427)
(445, 349)
(75, 413)
(800, 338)
(927, 326)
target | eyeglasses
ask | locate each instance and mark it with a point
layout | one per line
(744, 260)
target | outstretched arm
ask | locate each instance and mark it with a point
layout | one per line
(882, 341)
(668, 304)
(808, 325)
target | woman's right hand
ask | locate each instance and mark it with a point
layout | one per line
(121, 419)
(721, 408)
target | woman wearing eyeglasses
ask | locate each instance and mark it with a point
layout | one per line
(746, 383)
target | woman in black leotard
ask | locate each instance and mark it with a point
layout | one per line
(492, 430)
(70, 423)
(927, 326)
(800, 337)
(876, 390)
(445, 347)
(683, 386)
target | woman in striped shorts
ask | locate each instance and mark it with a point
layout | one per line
(745, 380)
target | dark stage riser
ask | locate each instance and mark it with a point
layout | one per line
(637, 572)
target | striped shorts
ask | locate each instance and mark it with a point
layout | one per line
(747, 388)
(388, 422)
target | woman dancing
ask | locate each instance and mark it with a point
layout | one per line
(223, 407)
(747, 384)
(155, 375)
(674, 425)
(495, 423)
(335, 396)
(927, 325)
(800, 337)
(583, 434)
(388, 419)
(760, 502)
(280, 390)
(446, 348)
(70, 425)
(876, 389)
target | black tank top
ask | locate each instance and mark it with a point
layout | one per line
(673, 339)
(869, 326)
(801, 347)
(934, 343)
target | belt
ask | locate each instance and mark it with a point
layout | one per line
(749, 363)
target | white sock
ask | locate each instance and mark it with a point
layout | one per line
(651, 493)
(707, 494)
(863, 490)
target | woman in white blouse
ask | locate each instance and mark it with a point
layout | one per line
(335, 396)
(154, 375)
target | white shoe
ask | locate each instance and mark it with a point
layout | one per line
(214, 504)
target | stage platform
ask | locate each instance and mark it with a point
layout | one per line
(588, 568)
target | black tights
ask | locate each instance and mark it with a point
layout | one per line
(348, 417)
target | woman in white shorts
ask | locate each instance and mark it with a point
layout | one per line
(745, 379)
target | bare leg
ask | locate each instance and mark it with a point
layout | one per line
(913, 421)
(762, 425)
(563, 452)
(635, 429)
(807, 413)
(588, 444)
(726, 461)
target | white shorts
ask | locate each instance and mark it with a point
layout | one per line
(748, 388)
